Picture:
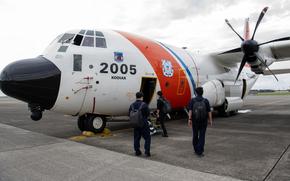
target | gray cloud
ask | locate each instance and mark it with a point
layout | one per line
(189, 8)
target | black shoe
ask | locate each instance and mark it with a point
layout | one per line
(164, 135)
(147, 154)
(138, 153)
(200, 154)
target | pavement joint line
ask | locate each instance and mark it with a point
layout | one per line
(283, 153)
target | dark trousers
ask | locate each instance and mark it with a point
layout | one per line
(145, 133)
(161, 120)
(198, 138)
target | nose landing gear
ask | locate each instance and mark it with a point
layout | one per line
(36, 112)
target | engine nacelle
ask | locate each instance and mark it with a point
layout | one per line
(258, 69)
(214, 91)
(257, 66)
(233, 103)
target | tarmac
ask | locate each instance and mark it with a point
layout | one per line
(252, 145)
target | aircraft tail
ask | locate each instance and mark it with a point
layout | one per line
(247, 30)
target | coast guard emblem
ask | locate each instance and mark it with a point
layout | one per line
(118, 56)
(167, 68)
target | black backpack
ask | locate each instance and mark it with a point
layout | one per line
(166, 105)
(199, 112)
(136, 116)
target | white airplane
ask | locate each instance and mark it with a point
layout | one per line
(94, 74)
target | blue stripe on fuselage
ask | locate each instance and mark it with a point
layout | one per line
(183, 64)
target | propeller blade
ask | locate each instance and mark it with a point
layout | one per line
(264, 63)
(259, 20)
(241, 67)
(280, 39)
(232, 51)
(227, 21)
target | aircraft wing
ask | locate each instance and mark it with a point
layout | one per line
(281, 50)
(276, 71)
(229, 59)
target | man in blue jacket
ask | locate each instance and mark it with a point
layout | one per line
(199, 116)
(143, 131)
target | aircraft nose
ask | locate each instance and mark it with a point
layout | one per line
(35, 81)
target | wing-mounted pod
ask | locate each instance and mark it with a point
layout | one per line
(214, 91)
(232, 104)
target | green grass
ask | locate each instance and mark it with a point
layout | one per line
(276, 93)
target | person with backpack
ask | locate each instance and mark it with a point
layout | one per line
(139, 113)
(161, 112)
(199, 116)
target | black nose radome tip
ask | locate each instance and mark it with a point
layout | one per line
(35, 81)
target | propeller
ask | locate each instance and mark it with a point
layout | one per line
(250, 47)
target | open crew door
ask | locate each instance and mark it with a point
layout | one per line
(148, 86)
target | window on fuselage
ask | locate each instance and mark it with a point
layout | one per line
(88, 41)
(82, 32)
(90, 38)
(78, 40)
(90, 33)
(101, 42)
(98, 33)
(66, 38)
(77, 62)
(62, 49)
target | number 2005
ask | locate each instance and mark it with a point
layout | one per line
(115, 68)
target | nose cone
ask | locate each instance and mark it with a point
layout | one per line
(35, 81)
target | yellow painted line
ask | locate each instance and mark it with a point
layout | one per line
(85, 134)
(78, 138)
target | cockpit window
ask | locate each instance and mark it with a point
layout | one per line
(101, 42)
(66, 38)
(88, 41)
(90, 38)
(90, 33)
(62, 49)
(78, 40)
(82, 32)
(98, 33)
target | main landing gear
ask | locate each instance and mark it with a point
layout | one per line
(92, 122)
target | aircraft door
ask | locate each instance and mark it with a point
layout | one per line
(148, 86)
(181, 82)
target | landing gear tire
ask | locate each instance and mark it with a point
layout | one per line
(90, 122)
(96, 124)
(81, 123)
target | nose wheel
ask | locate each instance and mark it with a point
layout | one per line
(91, 122)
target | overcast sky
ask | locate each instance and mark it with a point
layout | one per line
(28, 26)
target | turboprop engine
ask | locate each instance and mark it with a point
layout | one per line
(214, 91)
